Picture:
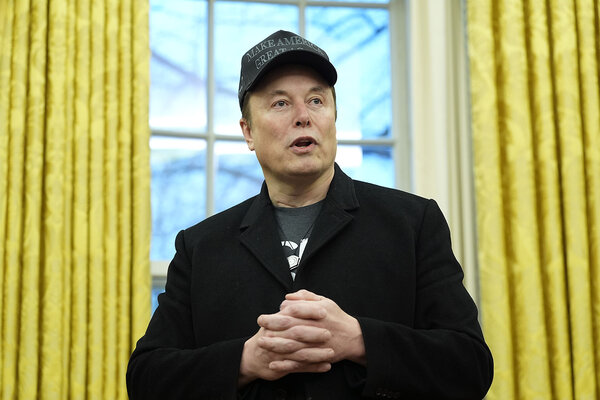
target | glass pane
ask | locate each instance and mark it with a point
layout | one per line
(238, 26)
(238, 174)
(158, 286)
(178, 190)
(357, 1)
(357, 41)
(372, 164)
(178, 65)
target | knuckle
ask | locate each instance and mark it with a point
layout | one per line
(304, 356)
(268, 345)
(289, 347)
(284, 304)
(281, 322)
(297, 332)
(268, 333)
(292, 308)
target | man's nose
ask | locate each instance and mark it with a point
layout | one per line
(302, 117)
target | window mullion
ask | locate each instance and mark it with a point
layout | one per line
(401, 128)
(302, 17)
(210, 93)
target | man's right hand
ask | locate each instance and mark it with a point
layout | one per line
(300, 348)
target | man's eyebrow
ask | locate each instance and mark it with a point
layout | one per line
(279, 92)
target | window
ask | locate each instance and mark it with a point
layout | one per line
(200, 162)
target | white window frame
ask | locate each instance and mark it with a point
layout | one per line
(399, 140)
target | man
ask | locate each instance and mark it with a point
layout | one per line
(368, 304)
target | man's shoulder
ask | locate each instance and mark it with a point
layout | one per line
(389, 206)
(224, 223)
(381, 202)
(370, 192)
(347, 191)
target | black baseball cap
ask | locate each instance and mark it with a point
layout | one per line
(282, 47)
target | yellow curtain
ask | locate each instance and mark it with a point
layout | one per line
(74, 195)
(536, 133)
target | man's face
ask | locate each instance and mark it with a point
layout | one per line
(292, 126)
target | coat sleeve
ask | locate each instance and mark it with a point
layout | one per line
(443, 355)
(166, 364)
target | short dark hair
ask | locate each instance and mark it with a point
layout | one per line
(246, 107)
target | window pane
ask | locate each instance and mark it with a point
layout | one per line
(372, 164)
(357, 42)
(238, 174)
(357, 1)
(178, 190)
(178, 65)
(158, 286)
(239, 25)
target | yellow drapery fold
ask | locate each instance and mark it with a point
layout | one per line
(536, 134)
(74, 195)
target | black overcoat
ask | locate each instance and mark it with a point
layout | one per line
(383, 255)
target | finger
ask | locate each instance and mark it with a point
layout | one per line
(288, 366)
(303, 309)
(277, 343)
(275, 322)
(310, 355)
(282, 322)
(303, 294)
(280, 345)
(304, 334)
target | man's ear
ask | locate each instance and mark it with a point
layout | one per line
(247, 132)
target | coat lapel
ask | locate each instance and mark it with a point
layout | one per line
(334, 216)
(331, 221)
(260, 235)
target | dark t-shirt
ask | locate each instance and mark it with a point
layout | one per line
(295, 225)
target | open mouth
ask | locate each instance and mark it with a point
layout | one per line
(303, 142)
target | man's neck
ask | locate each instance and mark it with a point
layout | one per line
(299, 192)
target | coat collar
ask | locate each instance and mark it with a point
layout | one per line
(341, 192)
(259, 227)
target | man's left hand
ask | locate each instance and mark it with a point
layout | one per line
(299, 313)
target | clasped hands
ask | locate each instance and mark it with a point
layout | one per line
(308, 334)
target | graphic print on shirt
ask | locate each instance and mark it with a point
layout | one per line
(293, 253)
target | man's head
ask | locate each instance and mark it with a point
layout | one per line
(288, 108)
(280, 48)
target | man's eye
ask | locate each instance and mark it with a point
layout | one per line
(316, 100)
(279, 103)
